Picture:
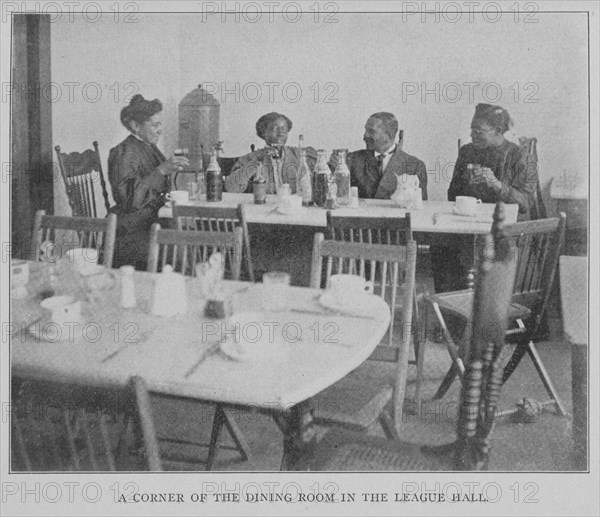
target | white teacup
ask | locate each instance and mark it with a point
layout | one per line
(62, 309)
(344, 286)
(178, 196)
(84, 260)
(466, 205)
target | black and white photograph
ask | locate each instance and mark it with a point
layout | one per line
(299, 258)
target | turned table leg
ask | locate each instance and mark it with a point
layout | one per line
(299, 435)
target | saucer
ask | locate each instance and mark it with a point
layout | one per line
(42, 331)
(289, 211)
(456, 212)
(92, 271)
(247, 351)
(353, 306)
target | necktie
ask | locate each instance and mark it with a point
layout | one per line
(380, 164)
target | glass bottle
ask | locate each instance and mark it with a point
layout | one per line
(322, 176)
(214, 179)
(342, 179)
(304, 180)
(259, 184)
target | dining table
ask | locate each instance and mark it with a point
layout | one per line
(270, 359)
(283, 239)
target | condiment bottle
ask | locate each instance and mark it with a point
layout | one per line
(214, 179)
(259, 185)
(304, 180)
(342, 179)
(322, 176)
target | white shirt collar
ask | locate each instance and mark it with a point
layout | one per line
(386, 152)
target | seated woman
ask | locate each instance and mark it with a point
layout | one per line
(502, 173)
(281, 161)
(139, 176)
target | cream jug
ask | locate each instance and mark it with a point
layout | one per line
(407, 191)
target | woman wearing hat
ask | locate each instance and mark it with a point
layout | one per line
(283, 161)
(502, 172)
(139, 176)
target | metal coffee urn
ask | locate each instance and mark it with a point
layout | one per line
(199, 114)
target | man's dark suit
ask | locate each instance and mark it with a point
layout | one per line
(364, 173)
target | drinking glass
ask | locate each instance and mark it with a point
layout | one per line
(275, 290)
(193, 190)
(353, 197)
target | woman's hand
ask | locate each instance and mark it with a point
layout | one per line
(173, 164)
(486, 175)
(267, 151)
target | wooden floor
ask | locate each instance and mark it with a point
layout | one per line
(542, 446)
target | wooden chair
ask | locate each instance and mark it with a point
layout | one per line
(538, 245)
(392, 269)
(395, 232)
(216, 219)
(342, 450)
(182, 249)
(530, 144)
(58, 426)
(85, 232)
(80, 172)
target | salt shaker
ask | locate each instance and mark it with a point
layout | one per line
(127, 287)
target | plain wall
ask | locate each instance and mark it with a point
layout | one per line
(366, 63)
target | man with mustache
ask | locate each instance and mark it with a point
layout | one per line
(374, 169)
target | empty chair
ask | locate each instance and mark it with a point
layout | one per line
(395, 231)
(538, 245)
(343, 450)
(183, 250)
(80, 173)
(82, 428)
(216, 219)
(359, 402)
(83, 232)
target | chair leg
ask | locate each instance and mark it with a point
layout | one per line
(237, 435)
(387, 424)
(514, 360)
(213, 447)
(420, 358)
(453, 350)
(539, 366)
(451, 374)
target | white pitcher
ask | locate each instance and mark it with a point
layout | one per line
(407, 190)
